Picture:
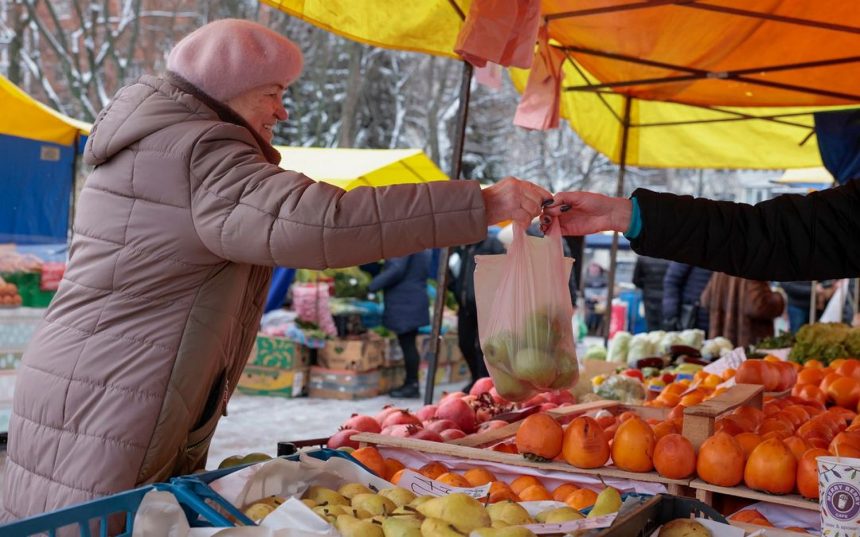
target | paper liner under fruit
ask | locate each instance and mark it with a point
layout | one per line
(525, 316)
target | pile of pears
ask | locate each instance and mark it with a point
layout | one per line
(356, 511)
(537, 357)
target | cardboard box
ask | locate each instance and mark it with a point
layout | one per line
(262, 380)
(443, 373)
(353, 354)
(279, 352)
(391, 377)
(460, 371)
(449, 350)
(343, 384)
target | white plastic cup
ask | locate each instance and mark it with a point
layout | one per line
(839, 496)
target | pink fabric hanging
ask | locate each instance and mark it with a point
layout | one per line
(500, 31)
(539, 105)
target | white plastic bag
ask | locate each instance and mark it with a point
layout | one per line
(524, 316)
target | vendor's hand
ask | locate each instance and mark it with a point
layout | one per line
(513, 199)
(582, 213)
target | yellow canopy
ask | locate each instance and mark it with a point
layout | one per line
(808, 177)
(25, 117)
(351, 168)
(693, 70)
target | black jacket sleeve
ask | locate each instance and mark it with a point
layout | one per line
(791, 237)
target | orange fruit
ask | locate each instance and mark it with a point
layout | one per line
(797, 445)
(810, 392)
(813, 364)
(845, 392)
(523, 482)
(807, 472)
(563, 491)
(392, 466)
(810, 376)
(771, 467)
(663, 428)
(541, 436)
(479, 476)
(729, 373)
(585, 444)
(534, 493)
(581, 499)
(633, 446)
(370, 457)
(674, 457)
(396, 477)
(849, 368)
(433, 470)
(455, 480)
(692, 399)
(721, 460)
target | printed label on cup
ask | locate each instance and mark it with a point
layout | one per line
(839, 496)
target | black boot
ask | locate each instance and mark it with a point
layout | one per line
(408, 391)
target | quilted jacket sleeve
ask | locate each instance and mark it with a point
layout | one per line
(247, 210)
(790, 237)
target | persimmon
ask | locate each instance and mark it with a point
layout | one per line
(433, 470)
(392, 466)
(500, 491)
(581, 499)
(751, 414)
(829, 379)
(721, 460)
(674, 457)
(396, 477)
(849, 368)
(799, 412)
(845, 438)
(807, 472)
(479, 476)
(563, 491)
(787, 375)
(811, 392)
(771, 467)
(759, 372)
(523, 482)
(775, 424)
(540, 437)
(810, 376)
(797, 445)
(455, 480)
(534, 493)
(746, 515)
(845, 392)
(813, 364)
(663, 428)
(633, 446)
(585, 444)
(372, 459)
(748, 442)
(624, 416)
(730, 425)
(843, 416)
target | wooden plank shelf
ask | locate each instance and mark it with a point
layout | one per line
(466, 452)
(699, 420)
(705, 492)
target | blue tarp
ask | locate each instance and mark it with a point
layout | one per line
(36, 179)
(838, 136)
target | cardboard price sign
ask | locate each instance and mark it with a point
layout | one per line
(573, 525)
(424, 486)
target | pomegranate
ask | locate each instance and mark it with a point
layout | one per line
(341, 439)
(561, 397)
(362, 423)
(483, 414)
(482, 385)
(548, 406)
(401, 417)
(460, 413)
(424, 434)
(400, 430)
(490, 425)
(452, 434)
(452, 395)
(498, 399)
(386, 410)
(426, 412)
(438, 425)
(537, 400)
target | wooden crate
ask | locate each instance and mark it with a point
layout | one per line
(706, 492)
(699, 420)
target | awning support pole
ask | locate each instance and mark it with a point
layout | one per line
(812, 300)
(442, 275)
(619, 192)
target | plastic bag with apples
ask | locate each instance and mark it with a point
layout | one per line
(525, 316)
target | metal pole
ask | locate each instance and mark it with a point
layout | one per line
(812, 301)
(442, 275)
(619, 192)
(856, 294)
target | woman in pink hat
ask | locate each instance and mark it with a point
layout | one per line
(176, 233)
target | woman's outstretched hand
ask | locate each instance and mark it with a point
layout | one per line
(582, 213)
(514, 199)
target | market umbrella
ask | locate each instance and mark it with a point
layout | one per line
(815, 178)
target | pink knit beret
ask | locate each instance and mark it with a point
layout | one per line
(228, 57)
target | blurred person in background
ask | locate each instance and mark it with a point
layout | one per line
(648, 274)
(741, 310)
(682, 290)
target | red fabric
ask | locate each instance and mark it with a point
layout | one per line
(500, 31)
(539, 105)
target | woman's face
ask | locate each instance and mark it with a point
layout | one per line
(262, 108)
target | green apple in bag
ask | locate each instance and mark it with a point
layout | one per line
(542, 330)
(509, 387)
(534, 366)
(497, 349)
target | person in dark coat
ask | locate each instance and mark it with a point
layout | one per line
(682, 290)
(648, 274)
(403, 281)
(741, 310)
(463, 285)
(787, 238)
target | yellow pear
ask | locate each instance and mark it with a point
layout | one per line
(274, 501)
(508, 512)
(510, 531)
(558, 515)
(373, 504)
(325, 496)
(351, 489)
(349, 526)
(460, 510)
(434, 527)
(258, 511)
(330, 512)
(406, 511)
(419, 500)
(398, 495)
(310, 503)
(401, 526)
(607, 502)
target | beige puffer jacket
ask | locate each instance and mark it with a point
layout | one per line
(175, 233)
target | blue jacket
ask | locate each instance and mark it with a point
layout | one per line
(404, 283)
(683, 284)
